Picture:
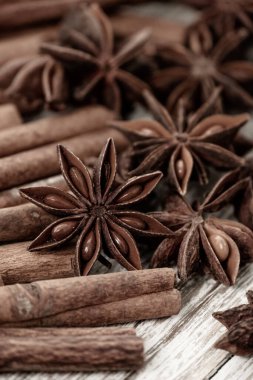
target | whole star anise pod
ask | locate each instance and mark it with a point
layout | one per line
(238, 340)
(182, 145)
(225, 15)
(203, 241)
(100, 212)
(33, 83)
(86, 48)
(194, 69)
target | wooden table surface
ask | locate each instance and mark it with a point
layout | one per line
(181, 347)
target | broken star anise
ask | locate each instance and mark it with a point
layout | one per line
(86, 48)
(194, 69)
(100, 212)
(225, 15)
(238, 340)
(184, 144)
(204, 241)
(33, 83)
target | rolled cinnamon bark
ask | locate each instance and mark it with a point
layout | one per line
(9, 116)
(25, 43)
(71, 353)
(47, 332)
(43, 162)
(1, 281)
(50, 129)
(163, 32)
(146, 306)
(20, 265)
(23, 222)
(11, 197)
(79, 295)
(16, 14)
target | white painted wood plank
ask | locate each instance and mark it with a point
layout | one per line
(236, 368)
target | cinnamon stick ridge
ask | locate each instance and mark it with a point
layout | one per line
(52, 129)
(19, 265)
(67, 353)
(97, 299)
(9, 116)
(42, 162)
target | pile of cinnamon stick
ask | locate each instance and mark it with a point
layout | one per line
(52, 320)
(48, 306)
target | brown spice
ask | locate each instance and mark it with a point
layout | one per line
(23, 222)
(86, 48)
(52, 129)
(204, 242)
(238, 339)
(182, 144)
(42, 162)
(21, 266)
(192, 70)
(100, 212)
(71, 352)
(111, 295)
(9, 116)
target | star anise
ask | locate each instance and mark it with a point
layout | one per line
(32, 83)
(225, 15)
(204, 241)
(184, 144)
(86, 48)
(238, 340)
(194, 69)
(242, 179)
(101, 213)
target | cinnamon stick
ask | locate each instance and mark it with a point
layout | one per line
(25, 43)
(93, 300)
(1, 281)
(11, 197)
(20, 265)
(43, 162)
(163, 32)
(67, 353)
(146, 306)
(50, 129)
(16, 14)
(47, 332)
(23, 222)
(9, 116)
